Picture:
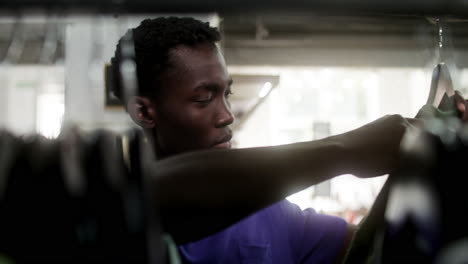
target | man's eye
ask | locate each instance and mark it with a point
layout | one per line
(203, 100)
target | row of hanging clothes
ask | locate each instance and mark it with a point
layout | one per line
(81, 198)
(72, 200)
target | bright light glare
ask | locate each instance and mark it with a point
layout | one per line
(50, 110)
(265, 89)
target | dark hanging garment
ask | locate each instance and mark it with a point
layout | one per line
(78, 199)
(420, 215)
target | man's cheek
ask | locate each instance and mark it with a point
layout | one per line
(196, 121)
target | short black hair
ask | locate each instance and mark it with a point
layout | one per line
(152, 40)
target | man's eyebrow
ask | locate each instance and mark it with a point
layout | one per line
(211, 86)
(207, 86)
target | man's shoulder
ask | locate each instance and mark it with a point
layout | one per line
(275, 216)
(285, 208)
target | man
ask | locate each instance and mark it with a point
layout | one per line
(71, 200)
(183, 106)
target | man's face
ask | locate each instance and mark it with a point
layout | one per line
(193, 109)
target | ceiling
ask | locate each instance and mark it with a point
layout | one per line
(31, 43)
(330, 40)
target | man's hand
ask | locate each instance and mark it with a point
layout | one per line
(373, 149)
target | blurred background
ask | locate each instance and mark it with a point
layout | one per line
(297, 77)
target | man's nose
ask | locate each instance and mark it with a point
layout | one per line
(225, 116)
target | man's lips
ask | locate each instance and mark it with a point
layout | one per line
(224, 143)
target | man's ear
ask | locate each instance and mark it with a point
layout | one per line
(143, 111)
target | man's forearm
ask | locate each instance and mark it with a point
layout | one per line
(230, 177)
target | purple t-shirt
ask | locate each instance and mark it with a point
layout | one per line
(281, 233)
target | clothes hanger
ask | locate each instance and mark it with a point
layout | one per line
(441, 93)
(441, 88)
